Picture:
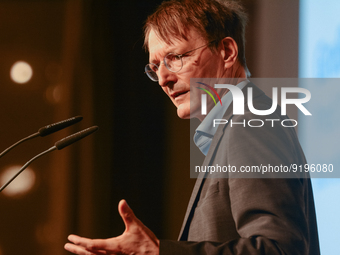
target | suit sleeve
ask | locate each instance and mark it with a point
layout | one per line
(270, 214)
(239, 246)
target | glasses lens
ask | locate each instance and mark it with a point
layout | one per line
(150, 70)
(173, 62)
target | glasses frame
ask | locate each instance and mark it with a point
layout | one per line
(147, 71)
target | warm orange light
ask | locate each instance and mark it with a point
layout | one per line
(53, 94)
(21, 185)
(21, 72)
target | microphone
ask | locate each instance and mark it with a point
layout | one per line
(74, 138)
(58, 145)
(49, 129)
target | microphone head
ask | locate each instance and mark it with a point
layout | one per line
(49, 129)
(75, 137)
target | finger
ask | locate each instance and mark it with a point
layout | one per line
(81, 250)
(127, 214)
(88, 244)
(77, 249)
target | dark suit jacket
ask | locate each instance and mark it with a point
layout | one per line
(243, 215)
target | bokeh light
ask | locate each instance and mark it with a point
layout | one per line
(21, 185)
(21, 72)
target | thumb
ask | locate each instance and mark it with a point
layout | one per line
(127, 214)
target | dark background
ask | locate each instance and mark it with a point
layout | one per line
(88, 60)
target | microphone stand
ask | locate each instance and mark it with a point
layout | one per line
(26, 165)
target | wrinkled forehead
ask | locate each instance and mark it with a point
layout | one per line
(158, 47)
(171, 36)
(155, 37)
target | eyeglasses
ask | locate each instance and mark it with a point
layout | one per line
(172, 61)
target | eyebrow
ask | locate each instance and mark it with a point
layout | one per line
(154, 61)
(170, 50)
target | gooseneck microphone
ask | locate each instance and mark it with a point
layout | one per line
(74, 138)
(49, 129)
(58, 145)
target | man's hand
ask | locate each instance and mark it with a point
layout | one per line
(136, 239)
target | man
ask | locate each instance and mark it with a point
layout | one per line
(234, 215)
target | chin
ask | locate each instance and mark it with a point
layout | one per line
(183, 111)
(183, 115)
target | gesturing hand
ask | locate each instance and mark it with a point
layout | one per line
(136, 239)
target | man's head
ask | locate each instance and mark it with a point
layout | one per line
(178, 26)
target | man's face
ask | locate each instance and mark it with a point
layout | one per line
(201, 63)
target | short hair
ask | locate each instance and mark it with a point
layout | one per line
(213, 19)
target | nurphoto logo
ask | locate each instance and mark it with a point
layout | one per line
(238, 104)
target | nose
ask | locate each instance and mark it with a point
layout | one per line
(165, 76)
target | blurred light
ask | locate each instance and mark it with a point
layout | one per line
(21, 185)
(53, 94)
(21, 72)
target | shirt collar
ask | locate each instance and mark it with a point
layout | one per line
(217, 112)
(205, 131)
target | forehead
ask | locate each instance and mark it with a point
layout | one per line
(158, 48)
(156, 45)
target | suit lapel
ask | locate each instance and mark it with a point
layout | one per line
(183, 235)
(198, 186)
(207, 161)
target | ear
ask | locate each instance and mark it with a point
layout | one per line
(229, 51)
